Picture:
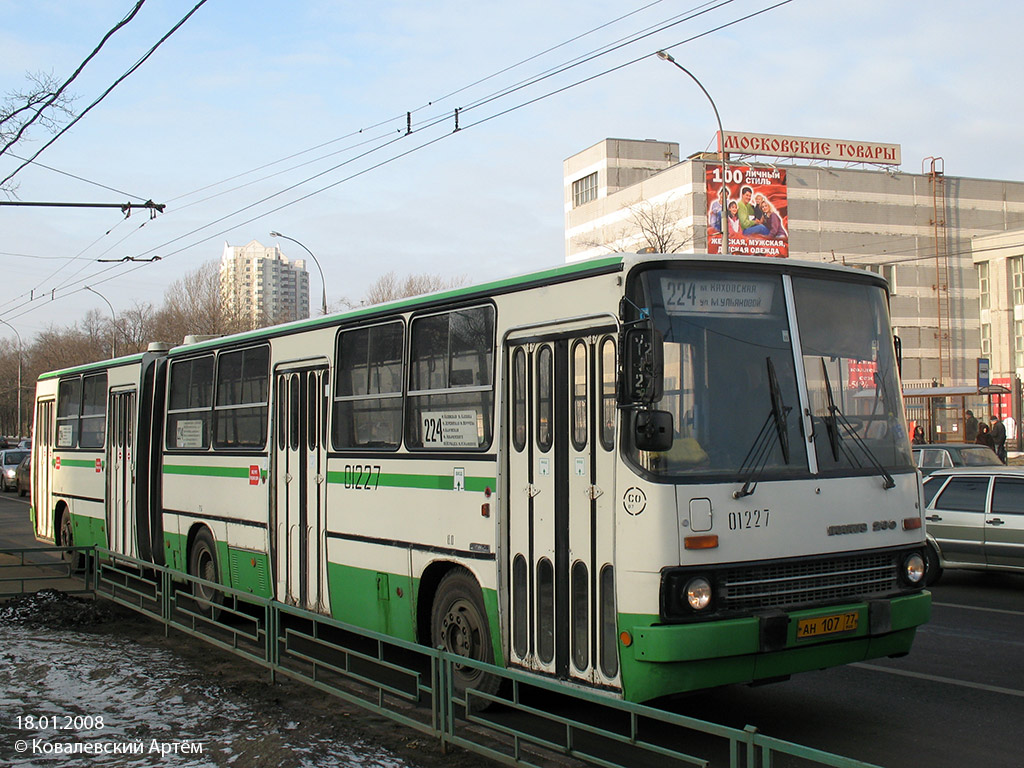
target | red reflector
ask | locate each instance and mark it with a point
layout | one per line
(911, 523)
(485, 510)
(700, 542)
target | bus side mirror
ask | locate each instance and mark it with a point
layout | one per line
(644, 366)
(652, 430)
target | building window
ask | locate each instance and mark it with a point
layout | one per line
(986, 339)
(584, 190)
(887, 271)
(1018, 343)
(1017, 275)
(983, 289)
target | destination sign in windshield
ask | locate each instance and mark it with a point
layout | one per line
(716, 296)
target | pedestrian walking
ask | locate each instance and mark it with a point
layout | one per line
(998, 438)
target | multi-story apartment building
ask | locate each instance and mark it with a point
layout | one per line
(260, 283)
(914, 228)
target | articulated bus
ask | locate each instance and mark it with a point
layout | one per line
(638, 474)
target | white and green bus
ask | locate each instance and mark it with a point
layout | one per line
(639, 474)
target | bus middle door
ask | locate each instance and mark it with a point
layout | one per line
(299, 517)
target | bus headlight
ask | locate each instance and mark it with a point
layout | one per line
(698, 593)
(913, 568)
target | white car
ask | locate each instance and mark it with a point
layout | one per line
(9, 461)
(974, 519)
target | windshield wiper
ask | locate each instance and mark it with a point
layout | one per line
(757, 457)
(834, 420)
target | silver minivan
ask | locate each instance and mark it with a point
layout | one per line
(974, 519)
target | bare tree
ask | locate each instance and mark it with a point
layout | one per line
(389, 287)
(40, 103)
(652, 227)
(194, 305)
(136, 329)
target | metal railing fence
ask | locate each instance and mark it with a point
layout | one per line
(532, 722)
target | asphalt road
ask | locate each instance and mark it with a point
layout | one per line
(956, 700)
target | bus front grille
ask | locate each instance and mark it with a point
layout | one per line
(806, 582)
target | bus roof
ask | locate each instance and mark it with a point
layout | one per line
(598, 265)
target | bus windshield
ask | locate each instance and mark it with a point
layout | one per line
(731, 382)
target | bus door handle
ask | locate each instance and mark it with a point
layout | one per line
(933, 518)
(994, 521)
(532, 490)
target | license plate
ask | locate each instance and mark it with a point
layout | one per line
(826, 625)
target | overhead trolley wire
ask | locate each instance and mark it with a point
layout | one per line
(440, 119)
(107, 92)
(63, 87)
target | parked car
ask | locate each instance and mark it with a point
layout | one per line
(26, 444)
(23, 476)
(934, 456)
(9, 461)
(974, 519)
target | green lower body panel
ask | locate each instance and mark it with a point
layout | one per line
(664, 659)
(88, 531)
(378, 601)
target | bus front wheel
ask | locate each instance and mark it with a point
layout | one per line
(458, 624)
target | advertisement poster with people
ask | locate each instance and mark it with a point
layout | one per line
(757, 211)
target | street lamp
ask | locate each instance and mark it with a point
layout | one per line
(666, 56)
(315, 261)
(20, 346)
(113, 321)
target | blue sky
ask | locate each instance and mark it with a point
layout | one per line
(247, 83)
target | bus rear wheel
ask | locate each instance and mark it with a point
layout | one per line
(202, 563)
(66, 538)
(458, 624)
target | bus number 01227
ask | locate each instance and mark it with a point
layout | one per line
(747, 519)
(362, 477)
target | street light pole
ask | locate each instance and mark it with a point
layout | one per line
(666, 56)
(323, 282)
(20, 347)
(113, 321)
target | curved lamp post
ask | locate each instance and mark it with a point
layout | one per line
(20, 347)
(323, 283)
(666, 56)
(113, 321)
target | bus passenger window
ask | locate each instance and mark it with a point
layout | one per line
(69, 403)
(606, 428)
(368, 387)
(190, 403)
(519, 399)
(544, 398)
(94, 411)
(580, 411)
(243, 388)
(451, 380)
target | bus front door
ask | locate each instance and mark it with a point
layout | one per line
(299, 518)
(121, 474)
(561, 462)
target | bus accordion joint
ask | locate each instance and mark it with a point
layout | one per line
(701, 542)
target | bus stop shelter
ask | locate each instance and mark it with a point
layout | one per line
(942, 411)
